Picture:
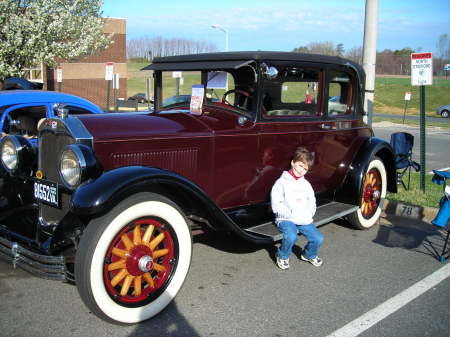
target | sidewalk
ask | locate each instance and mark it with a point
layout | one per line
(405, 210)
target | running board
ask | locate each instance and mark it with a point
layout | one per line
(324, 214)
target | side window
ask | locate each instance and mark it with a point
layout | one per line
(340, 93)
(294, 92)
(219, 83)
(24, 121)
(177, 87)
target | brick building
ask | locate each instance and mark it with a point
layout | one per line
(86, 77)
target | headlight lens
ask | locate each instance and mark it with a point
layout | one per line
(70, 168)
(9, 155)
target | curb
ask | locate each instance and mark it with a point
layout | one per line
(405, 210)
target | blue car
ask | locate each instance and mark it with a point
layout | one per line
(21, 110)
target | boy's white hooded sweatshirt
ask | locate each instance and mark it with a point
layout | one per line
(293, 199)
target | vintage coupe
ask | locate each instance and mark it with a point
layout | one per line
(110, 201)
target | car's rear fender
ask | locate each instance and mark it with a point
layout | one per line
(349, 192)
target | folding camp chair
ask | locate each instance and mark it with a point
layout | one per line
(443, 216)
(402, 143)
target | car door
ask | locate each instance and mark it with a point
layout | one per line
(297, 116)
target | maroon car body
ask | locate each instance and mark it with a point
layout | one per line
(114, 198)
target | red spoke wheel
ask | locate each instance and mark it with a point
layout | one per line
(139, 261)
(372, 194)
(132, 261)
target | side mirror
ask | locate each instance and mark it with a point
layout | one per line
(269, 73)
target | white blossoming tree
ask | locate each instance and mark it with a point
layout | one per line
(42, 31)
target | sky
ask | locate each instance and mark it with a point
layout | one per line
(282, 25)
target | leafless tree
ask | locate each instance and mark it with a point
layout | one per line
(355, 54)
(324, 48)
(443, 47)
(149, 47)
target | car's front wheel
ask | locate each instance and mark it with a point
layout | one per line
(131, 262)
(372, 194)
(445, 113)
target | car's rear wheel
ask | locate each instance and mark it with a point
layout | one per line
(445, 113)
(372, 194)
(131, 262)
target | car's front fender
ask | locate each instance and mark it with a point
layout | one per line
(101, 194)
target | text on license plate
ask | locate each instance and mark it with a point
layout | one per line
(47, 192)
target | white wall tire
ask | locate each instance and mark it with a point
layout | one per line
(140, 301)
(372, 195)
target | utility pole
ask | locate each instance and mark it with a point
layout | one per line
(370, 55)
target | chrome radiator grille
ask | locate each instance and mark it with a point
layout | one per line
(50, 148)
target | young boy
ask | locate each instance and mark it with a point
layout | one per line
(294, 205)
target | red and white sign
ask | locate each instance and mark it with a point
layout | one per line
(59, 74)
(421, 68)
(109, 71)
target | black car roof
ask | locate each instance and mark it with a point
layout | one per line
(160, 62)
(252, 55)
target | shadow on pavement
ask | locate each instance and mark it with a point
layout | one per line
(410, 234)
(230, 243)
(169, 323)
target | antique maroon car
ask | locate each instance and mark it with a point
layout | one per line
(110, 201)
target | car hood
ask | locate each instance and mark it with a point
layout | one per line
(142, 125)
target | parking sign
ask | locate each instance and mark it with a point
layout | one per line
(109, 71)
(421, 68)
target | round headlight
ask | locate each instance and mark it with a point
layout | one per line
(70, 168)
(9, 155)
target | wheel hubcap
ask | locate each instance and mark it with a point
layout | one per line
(145, 263)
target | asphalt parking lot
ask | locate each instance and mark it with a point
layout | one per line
(234, 289)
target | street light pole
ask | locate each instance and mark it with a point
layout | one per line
(225, 32)
(370, 55)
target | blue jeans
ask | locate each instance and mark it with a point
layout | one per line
(290, 237)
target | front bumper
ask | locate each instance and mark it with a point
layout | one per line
(44, 266)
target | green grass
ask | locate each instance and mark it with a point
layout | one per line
(135, 85)
(414, 195)
(390, 94)
(136, 66)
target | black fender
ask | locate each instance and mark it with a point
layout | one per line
(98, 196)
(350, 190)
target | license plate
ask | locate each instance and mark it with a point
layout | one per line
(47, 192)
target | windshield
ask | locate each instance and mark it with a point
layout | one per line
(228, 88)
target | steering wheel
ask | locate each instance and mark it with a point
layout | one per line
(236, 91)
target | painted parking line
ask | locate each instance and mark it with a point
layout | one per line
(364, 322)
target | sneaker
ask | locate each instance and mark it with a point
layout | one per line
(317, 261)
(282, 263)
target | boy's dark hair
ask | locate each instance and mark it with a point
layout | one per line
(303, 155)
